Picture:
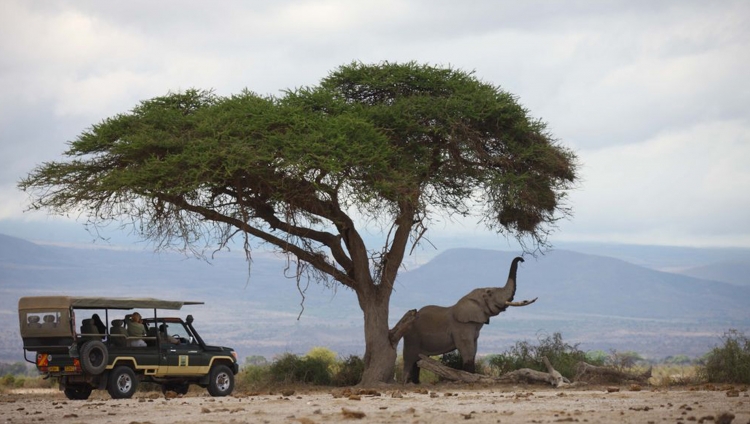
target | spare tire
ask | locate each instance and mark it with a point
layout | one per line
(94, 357)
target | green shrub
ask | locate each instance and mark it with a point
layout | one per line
(253, 377)
(623, 360)
(9, 380)
(729, 363)
(562, 356)
(349, 371)
(290, 368)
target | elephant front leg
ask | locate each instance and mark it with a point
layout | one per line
(467, 347)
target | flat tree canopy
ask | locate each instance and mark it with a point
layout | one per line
(395, 144)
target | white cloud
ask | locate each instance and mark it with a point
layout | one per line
(691, 186)
(651, 94)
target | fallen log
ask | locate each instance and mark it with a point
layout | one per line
(556, 379)
(524, 375)
(597, 374)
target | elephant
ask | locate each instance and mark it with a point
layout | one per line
(438, 329)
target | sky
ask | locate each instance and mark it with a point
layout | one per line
(651, 95)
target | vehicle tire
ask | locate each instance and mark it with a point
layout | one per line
(122, 383)
(77, 392)
(94, 357)
(221, 381)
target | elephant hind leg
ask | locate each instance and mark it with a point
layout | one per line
(414, 374)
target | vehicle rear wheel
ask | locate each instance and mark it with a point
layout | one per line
(221, 381)
(94, 357)
(122, 383)
(77, 392)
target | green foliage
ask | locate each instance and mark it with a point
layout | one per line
(349, 372)
(324, 355)
(678, 360)
(9, 380)
(623, 360)
(16, 368)
(318, 367)
(729, 363)
(562, 356)
(193, 167)
(596, 356)
(290, 368)
(254, 377)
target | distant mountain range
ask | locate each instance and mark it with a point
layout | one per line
(601, 302)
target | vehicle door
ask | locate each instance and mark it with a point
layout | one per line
(180, 351)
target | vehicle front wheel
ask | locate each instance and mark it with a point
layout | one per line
(77, 392)
(122, 383)
(221, 381)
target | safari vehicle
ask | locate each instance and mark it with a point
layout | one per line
(72, 350)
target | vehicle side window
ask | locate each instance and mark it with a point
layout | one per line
(43, 321)
(178, 330)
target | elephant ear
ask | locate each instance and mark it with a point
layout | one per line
(472, 307)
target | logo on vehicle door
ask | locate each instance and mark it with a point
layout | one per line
(183, 362)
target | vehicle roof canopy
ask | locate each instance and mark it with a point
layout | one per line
(79, 302)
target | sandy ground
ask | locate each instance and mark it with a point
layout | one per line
(396, 404)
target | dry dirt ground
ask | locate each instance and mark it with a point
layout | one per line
(395, 404)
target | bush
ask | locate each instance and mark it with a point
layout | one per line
(254, 377)
(561, 355)
(290, 368)
(349, 372)
(623, 360)
(9, 380)
(729, 363)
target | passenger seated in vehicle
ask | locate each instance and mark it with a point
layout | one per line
(136, 329)
(166, 338)
(100, 327)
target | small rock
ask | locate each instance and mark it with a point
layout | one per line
(613, 389)
(725, 418)
(350, 413)
(733, 393)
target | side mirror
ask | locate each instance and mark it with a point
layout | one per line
(189, 319)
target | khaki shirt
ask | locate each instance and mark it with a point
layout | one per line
(136, 329)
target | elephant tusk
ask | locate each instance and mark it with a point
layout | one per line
(524, 303)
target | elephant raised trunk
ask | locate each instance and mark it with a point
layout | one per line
(509, 290)
(439, 329)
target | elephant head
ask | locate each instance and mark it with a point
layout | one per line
(481, 304)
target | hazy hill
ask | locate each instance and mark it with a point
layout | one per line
(731, 271)
(601, 302)
(728, 265)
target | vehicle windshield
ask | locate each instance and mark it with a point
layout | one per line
(174, 329)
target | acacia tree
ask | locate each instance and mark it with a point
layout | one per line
(394, 144)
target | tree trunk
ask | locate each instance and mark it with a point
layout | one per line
(380, 354)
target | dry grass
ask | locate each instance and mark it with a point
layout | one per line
(674, 375)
